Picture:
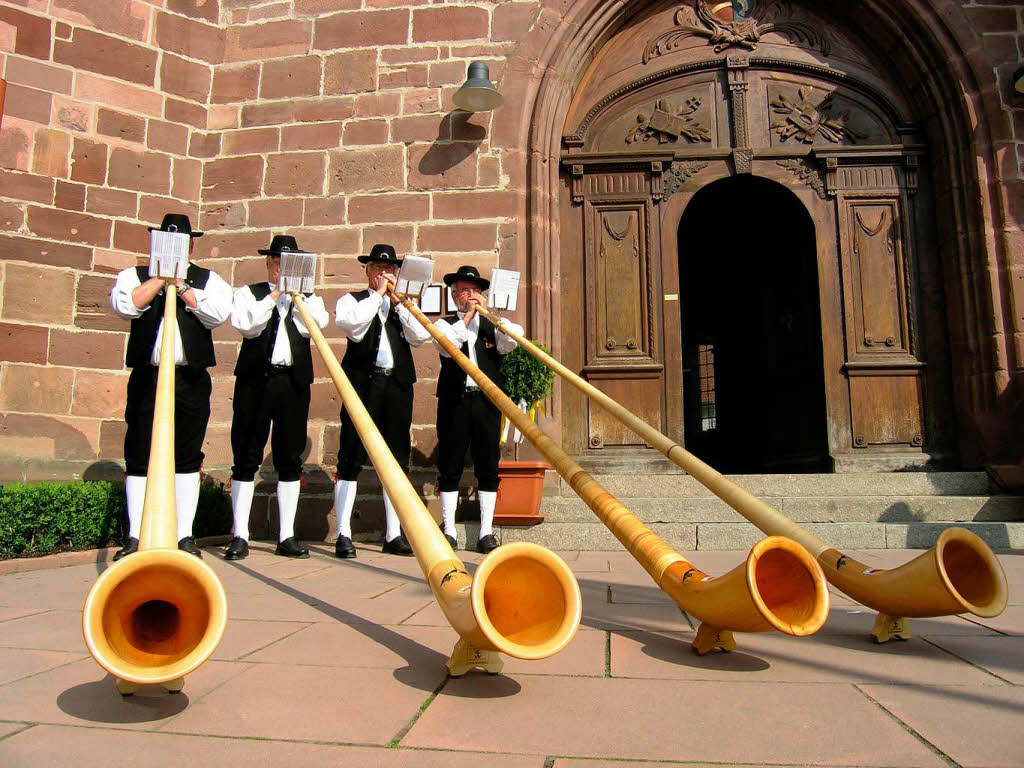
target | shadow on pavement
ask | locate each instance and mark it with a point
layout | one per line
(99, 702)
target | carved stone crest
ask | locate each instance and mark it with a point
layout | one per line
(725, 26)
(667, 123)
(802, 118)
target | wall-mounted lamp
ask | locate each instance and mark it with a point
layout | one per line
(478, 93)
(1018, 80)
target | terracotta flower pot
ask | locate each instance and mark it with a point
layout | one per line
(520, 493)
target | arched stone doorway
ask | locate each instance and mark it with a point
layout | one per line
(750, 316)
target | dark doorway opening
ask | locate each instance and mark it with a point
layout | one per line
(753, 376)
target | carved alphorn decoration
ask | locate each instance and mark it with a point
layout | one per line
(960, 574)
(523, 599)
(779, 586)
(156, 615)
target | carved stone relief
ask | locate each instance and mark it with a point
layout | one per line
(807, 173)
(806, 118)
(678, 175)
(667, 122)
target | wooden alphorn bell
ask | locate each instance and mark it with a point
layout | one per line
(960, 574)
(155, 616)
(779, 586)
(523, 600)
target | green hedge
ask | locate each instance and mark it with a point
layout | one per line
(42, 518)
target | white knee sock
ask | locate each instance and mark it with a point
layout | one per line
(487, 501)
(186, 495)
(344, 498)
(394, 528)
(287, 503)
(135, 490)
(449, 501)
(241, 504)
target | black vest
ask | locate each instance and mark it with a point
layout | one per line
(361, 356)
(452, 380)
(196, 338)
(254, 357)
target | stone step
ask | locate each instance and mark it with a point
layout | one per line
(853, 484)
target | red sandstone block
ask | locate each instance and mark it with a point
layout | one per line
(185, 112)
(117, 94)
(222, 216)
(383, 207)
(488, 171)
(204, 145)
(50, 156)
(409, 55)
(131, 237)
(153, 208)
(412, 76)
(188, 176)
(107, 55)
(126, 18)
(449, 23)
(142, 171)
(253, 140)
(256, 42)
(67, 225)
(86, 349)
(361, 29)
(23, 343)
(399, 235)
(419, 128)
(28, 104)
(234, 178)
(510, 21)
(345, 270)
(16, 141)
(420, 101)
(378, 104)
(275, 213)
(467, 238)
(332, 240)
(70, 114)
(366, 132)
(288, 78)
(167, 137)
(295, 174)
(31, 389)
(207, 10)
(112, 261)
(112, 202)
(992, 19)
(275, 11)
(447, 73)
(38, 294)
(26, 186)
(236, 83)
(442, 166)
(220, 118)
(316, 7)
(92, 304)
(190, 38)
(220, 245)
(350, 72)
(185, 78)
(120, 126)
(33, 32)
(314, 136)
(99, 394)
(70, 197)
(274, 113)
(476, 205)
(111, 444)
(11, 216)
(319, 110)
(45, 252)
(36, 75)
(89, 161)
(50, 437)
(324, 212)
(363, 170)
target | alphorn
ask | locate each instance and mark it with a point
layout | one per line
(779, 586)
(959, 574)
(155, 616)
(523, 599)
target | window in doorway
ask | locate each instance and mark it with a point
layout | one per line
(706, 373)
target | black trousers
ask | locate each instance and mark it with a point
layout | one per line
(191, 415)
(473, 422)
(390, 407)
(258, 402)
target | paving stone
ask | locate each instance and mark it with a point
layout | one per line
(1009, 622)
(1003, 656)
(16, 663)
(6, 729)
(53, 631)
(974, 726)
(660, 720)
(241, 638)
(6, 614)
(848, 618)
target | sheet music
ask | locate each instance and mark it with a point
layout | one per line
(168, 254)
(504, 289)
(430, 301)
(298, 272)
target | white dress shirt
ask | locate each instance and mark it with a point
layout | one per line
(251, 317)
(458, 333)
(355, 318)
(213, 307)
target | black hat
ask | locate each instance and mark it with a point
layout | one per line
(467, 273)
(280, 244)
(382, 253)
(176, 222)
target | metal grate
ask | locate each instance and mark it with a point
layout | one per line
(706, 373)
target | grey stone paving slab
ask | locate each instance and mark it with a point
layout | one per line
(976, 727)
(83, 694)
(923, 535)
(662, 720)
(62, 588)
(634, 616)
(842, 535)
(52, 630)
(1002, 656)
(242, 637)
(774, 657)
(6, 614)
(16, 663)
(46, 746)
(1009, 622)
(852, 619)
(271, 701)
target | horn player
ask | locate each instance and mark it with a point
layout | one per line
(203, 303)
(272, 379)
(465, 417)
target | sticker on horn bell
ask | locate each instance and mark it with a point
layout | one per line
(869, 571)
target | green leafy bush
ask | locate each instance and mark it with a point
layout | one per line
(213, 513)
(52, 517)
(526, 378)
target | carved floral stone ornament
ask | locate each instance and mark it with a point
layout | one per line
(802, 118)
(667, 123)
(733, 24)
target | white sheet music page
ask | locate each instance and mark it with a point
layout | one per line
(298, 272)
(504, 289)
(415, 275)
(168, 254)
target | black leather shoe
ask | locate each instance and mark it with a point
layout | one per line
(452, 541)
(487, 544)
(188, 544)
(130, 548)
(238, 549)
(343, 547)
(397, 546)
(288, 548)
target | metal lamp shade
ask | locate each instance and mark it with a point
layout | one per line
(478, 93)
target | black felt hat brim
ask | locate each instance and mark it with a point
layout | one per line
(379, 260)
(194, 233)
(452, 277)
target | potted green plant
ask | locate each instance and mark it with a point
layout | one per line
(528, 382)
